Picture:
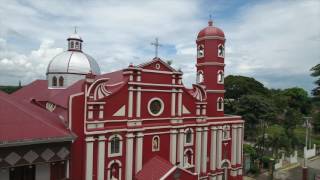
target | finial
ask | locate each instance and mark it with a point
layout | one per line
(210, 22)
(75, 29)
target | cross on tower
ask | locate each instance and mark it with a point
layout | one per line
(75, 29)
(156, 45)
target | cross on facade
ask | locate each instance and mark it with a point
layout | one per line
(156, 45)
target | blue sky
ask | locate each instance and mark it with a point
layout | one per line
(276, 42)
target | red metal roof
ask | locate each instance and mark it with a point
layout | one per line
(24, 123)
(155, 168)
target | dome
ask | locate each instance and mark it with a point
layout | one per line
(73, 62)
(210, 30)
(75, 36)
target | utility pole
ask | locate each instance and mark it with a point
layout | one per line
(305, 168)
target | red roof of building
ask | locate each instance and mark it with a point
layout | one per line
(211, 30)
(24, 123)
(155, 168)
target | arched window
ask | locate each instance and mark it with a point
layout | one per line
(156, 143)
(226, 132)
(220, 104)
(114, 170)
(188, 137)
(225, 174)
(200, 78)
(54, 81)
(115, 146)
(188, 158)
(220, 50)
(220, 77)
(77, 45)
(200, 51)
(72, 44)
(61, 81)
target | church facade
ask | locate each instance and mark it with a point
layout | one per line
(141, 122)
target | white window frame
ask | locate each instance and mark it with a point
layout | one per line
(109, 170)
(220, 75)
(120, 146)
(162, 106)
(185, 165)
(200, 72)
(198, 51)
(226, 128)
(223, 51)
(222, 104)
(185, 138)
(154, 150)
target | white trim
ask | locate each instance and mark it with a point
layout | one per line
(220, 73)
(156, 133)
(180, 147)
(198, 149)
(152, 90)
(154, 149)
(223, 54)
(101, 156)
(109, 166)
(185, 110)
(215, 91)
(138, 108)
(185, 158)
(154, 84)
(168, 173)
(213, 148)
(160, 111)
(185, 139)
(204, 149)
(210, 37)
(139, 151)
(121, 111)
(158, 66)
(173, 103)
(225, 161)
(200, 77)
(220, 100)
(219, 147)
(173, 146)
(200, 56)
(120, 145)
(210, 64)
(89, 158)
(234, 146)
(129, 155)
(180, 103)
(159, 72)
(130, 102)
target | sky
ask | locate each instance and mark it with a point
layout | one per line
(275, 42)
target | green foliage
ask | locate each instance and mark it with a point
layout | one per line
(316, 122)
(237, 86)
(248, 149)
(316, 73)
(9, 89)
(277, 139)
(298, 99)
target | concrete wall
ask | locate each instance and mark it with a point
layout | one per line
(42, 172)
(308, 153)
(4, 174)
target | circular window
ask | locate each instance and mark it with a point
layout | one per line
(155, 106)
(157, 66)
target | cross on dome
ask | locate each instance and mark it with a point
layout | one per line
(74, 41)
(156, 45)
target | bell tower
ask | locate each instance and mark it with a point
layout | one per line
(210, 67)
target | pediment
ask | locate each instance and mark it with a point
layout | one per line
(157, 65)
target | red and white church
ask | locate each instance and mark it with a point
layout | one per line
(138, 123)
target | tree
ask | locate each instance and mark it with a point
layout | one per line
(298, 99)
(316, 73)
(237, 86)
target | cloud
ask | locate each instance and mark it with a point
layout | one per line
(16, 67)
(273, 41)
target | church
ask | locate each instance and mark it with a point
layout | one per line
(137, 123)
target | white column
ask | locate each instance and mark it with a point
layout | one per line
(180, 102)
(68, 169)
(239, 146)
(173, 146)
(213, 148)
(138, 111)
(101, 156)
(198, 149)
(204, 149)
(89, 158)
(234, 145)
(219, 147)
(173, 103)
(130, 102)
(139, 145)
(180, 147)
(129, 155)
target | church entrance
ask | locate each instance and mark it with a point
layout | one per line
(22, 173)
